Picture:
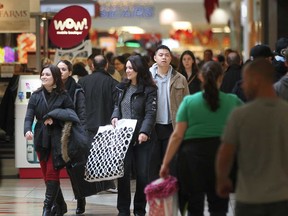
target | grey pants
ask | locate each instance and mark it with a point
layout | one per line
(267, 209)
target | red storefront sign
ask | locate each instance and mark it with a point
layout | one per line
(70, 26)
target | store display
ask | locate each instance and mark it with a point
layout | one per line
(25, 154)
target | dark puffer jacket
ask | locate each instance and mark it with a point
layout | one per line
(77, 95)
(74, 142)
(143, 107)
(48, 138)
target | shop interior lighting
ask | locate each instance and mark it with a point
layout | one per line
(167, 16)
(225, 29)
(132, 44)
(243, 10)
(182, 25)
(219, 16)
(132, 29)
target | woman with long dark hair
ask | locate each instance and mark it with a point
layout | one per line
(137, 99)
(199, 125)
(76, 93)
(49, 97)
(188, 67)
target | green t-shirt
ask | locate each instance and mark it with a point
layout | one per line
(202, 122)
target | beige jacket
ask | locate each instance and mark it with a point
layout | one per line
(178, 90)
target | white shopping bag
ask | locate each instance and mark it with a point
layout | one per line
(106, 158)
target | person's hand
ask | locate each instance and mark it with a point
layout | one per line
(29, 135)
(114, 121)
(224, 187)
(48, 121)
(142, 138)
(164, 171)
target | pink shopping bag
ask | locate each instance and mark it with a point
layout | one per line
(162, 198)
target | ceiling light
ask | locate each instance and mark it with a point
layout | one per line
(167, 16)
(219, 16)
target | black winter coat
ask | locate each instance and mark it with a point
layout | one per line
(77, 95)
(143, 107)
(47, 138)
(231, 77)
(99, 89)
(74, 142)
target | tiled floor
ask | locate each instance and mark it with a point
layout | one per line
(25, 197)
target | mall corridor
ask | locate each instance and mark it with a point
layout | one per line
(25, 196)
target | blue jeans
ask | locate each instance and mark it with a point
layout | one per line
(266, 209)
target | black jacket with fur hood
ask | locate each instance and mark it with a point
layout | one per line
(73, 137)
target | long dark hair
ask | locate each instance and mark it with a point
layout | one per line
(181, 67)
(67, 63)
(56, 74)
(211, 71)
(140, 65)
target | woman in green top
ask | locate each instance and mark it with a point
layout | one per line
(199, 124)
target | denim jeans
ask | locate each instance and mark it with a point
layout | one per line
(266, 209)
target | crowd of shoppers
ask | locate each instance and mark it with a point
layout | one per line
(190, 119)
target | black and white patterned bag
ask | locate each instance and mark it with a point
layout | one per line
(106, 158)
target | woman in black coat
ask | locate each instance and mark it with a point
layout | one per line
(137, 99)
(77, 95)
(48, 131)
(188, 67)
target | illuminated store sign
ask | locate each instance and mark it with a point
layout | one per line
(126, 11)
(70, 26)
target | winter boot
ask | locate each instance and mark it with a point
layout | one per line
(52, 188)
(81, 203)
(59, 208)
(217, 213)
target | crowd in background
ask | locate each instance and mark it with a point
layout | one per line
(182, 105)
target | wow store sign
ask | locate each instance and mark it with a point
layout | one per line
(70, 26)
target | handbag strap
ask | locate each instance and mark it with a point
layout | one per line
(189, 81)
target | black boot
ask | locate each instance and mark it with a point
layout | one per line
(52, 188)
(59, 208)
(217, 213)
(81, 205)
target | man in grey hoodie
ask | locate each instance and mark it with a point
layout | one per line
(172, 87)
(281, 87)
